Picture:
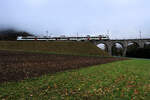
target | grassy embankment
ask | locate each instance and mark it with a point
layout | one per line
(123, 80)
(53, 47)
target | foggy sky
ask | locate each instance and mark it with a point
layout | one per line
(123, 18)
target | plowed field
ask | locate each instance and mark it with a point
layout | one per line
(16, 66)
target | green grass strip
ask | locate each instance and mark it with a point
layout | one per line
(123, 80)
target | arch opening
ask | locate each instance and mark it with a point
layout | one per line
(147, 44)
(103, 47)
(132, 46)
(131, 49)
(117, 49)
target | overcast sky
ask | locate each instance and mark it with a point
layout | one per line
(124, 18)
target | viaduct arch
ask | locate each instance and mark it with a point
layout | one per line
(123, 42)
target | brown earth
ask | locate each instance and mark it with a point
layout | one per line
(16, 66)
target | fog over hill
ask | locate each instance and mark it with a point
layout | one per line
(11, 34)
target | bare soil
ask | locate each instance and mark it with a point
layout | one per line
(15, 66)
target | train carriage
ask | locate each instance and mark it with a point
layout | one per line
(64, 38)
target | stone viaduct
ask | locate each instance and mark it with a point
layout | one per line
(123, 42)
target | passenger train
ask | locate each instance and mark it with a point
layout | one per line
(64, 38)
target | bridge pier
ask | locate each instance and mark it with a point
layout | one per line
(141, 44)
(125, 47)
(124, 52)
(109, 50)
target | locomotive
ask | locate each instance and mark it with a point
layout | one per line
(63, 38)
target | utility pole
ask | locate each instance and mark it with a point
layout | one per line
(140, 34)
(47, 34)
(77, 36)
(108, 33)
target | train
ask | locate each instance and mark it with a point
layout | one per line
(63, 38)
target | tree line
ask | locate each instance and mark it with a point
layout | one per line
(139, 52)
(133, 51)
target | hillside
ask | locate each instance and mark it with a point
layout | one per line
(53, 47)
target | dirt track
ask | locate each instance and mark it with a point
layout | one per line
(16, 66)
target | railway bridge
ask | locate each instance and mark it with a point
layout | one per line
(123, 42)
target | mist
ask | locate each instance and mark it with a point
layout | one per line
(123, 18)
